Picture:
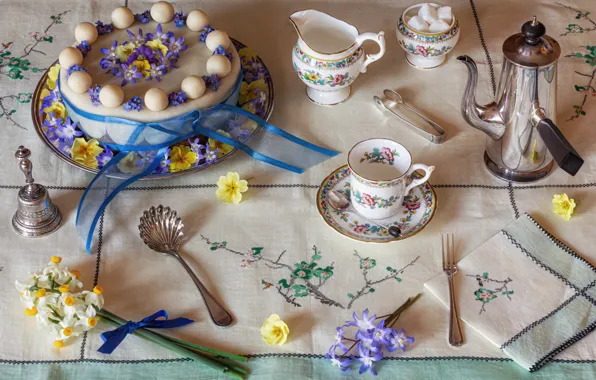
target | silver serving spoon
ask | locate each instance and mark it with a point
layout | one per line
(339, 202)
(162, 230)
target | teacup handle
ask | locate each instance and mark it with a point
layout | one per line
(416, 182)
(379, 38)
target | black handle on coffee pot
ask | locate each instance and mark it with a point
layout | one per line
(563, 153)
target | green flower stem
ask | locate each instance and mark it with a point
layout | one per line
(155, 338)
(204, 349)
(393, 317)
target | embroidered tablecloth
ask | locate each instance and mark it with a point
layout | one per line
(247, 253)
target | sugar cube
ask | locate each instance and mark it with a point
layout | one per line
(438, 26)
(417, 23)
(428, 13)
(444, 13)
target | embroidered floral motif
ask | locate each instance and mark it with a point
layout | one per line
(374, 201)
(486, 293)
(589, 88)
(307, 278)
(576, 28)
(383, 155)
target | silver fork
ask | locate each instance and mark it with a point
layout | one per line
(456, 337)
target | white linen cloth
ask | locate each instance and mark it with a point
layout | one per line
(525, 291)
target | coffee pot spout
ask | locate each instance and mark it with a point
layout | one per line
(485, 118)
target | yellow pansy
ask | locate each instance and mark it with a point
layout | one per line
(223, 148)
(181, 158)
(247, 91)
(85, 152)
(53, 76)
(274, 330)
(57, 108)
(230, 188)
(31, 312)
(143, 66)
(247, 54)
(58, 343)
(56, 259)
(124, 51)
(156, 44)
(563, 205)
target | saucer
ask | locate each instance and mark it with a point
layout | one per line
(417, 211)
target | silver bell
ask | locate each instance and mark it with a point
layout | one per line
(36, 216)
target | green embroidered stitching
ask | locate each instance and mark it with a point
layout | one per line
(306, 278)
(576, 28)
(484, 294)
(14, 67)
(588, 88)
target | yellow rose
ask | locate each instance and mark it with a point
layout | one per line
(53, 76)
(312, 77)
(181, 158)
(230, 188)
(57, 108)
(86, 152)
(124, 51)
(274, 330)
(223, 148)
(156, 44)
(143, 66)
(563, 205)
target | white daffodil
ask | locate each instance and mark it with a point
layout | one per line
(92, 298)
(87, 318)
(28, 298)
(25, 285)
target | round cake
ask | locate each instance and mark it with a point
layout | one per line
(146, 68)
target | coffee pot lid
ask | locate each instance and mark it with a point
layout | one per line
(532, 47)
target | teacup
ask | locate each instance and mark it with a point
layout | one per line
(379, 170)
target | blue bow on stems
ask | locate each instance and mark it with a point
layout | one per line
(113, 338)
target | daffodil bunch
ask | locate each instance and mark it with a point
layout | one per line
(54, 297)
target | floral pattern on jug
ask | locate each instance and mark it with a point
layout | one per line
(426, 50)
(328, 56)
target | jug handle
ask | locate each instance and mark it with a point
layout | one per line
(379, 38)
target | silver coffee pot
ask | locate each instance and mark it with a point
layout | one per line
(520, 123)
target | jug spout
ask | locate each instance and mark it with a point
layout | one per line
(322, 34)
(485, 118)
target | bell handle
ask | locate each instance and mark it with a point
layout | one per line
(22, 154)
(562, 151)
(379, 38)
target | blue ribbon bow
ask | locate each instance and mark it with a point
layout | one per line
(113, 338)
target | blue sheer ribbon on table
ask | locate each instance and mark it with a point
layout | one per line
(148, 142)
(113, 338)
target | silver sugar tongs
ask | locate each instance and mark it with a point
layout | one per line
(392, 98)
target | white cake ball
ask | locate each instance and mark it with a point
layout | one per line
(86, 31)
(156, 99)
(216, 38)
(111, 95)
(194, 86)
(70, 56)
(122, 17)
(219, 64)
(197, 20)
(162, 12)
(80, 82)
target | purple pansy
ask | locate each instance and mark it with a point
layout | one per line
(175, 46)
(159, 35)
(129, 74)
(367, 358)
(205, 33)
(397, 338)
(103, 28)
(134, 104)
(142, 53)
(94, 94)
(144, 17)
(179, 19)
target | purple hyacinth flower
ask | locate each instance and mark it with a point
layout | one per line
(343, 362)
(175, 46)
(129, 74)
(396, 339)
(159, 35)
(363, 324)
(367, 358)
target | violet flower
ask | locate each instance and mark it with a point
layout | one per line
(53, 97)
(129, 74)
(52, 123)
(196, 147)
(339, 337)
(159, 34)
(363, 324)
(68, 131)
(84, 47)
(367, 359)
(342, 362)
(213, 81)
(205, 33)
(164, 164)
(221, 51)
(136, 39)
(103, 28)
(73, 69)
(396, 339)
(134, 104)
(146, 157)
(144, 17)
(177, 98)
(104, 157)
(175, 46)
(179, 19)
(142, 53)
(211, 155)
(94, 94)
(156, 71)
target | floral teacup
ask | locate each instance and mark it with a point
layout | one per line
(379, 170)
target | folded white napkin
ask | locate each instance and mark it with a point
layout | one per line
(526, 292)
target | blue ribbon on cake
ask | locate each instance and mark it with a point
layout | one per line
(271, 145)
